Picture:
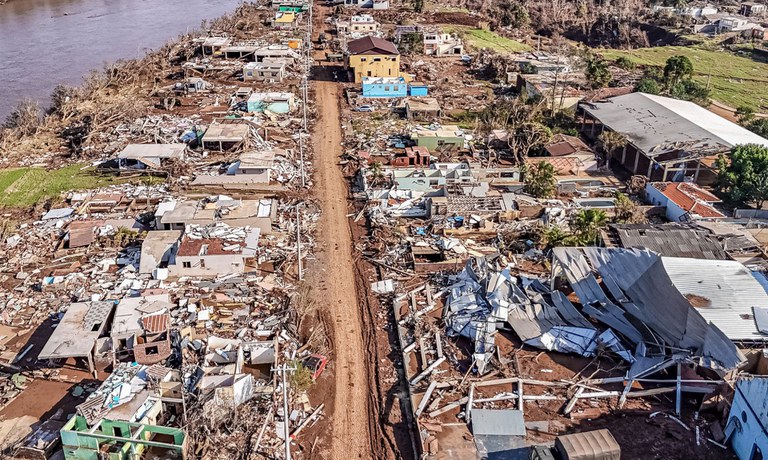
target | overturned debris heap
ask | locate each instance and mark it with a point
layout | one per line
(486, 295)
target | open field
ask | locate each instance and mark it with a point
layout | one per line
(735, 80)
(481, 38)
(27, 186)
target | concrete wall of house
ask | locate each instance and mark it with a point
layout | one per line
(654, 196)
(374, 65)
(208, 265)
(262, 74)
(433, 143)
(419, 183)
(76, 446)
(141, 351)
(261, 175)
(747, 430)
(417, 91)
(363, 27)
(399, 89)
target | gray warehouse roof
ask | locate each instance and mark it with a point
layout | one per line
(656, 124)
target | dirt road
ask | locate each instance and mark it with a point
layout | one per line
(332, 278)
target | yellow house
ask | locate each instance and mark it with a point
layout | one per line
(373, 57)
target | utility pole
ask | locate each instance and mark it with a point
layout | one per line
(298, 242)
(283, 369)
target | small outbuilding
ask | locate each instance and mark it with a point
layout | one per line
(149, 156)
(588, 445)
(225, 134)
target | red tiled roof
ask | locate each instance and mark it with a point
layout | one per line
(690, 198)
(154, 324)
(190, 247)
(371, 45)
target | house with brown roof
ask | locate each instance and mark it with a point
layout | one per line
(683, 201)
(217, 249)
(372, 57)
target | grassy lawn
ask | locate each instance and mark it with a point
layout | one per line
(27, 186)
(735, 80)
(481, 38)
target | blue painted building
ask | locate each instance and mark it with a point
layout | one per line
(384, 87)
(417, 89)
(747, 428)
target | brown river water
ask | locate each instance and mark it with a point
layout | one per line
(47, 42)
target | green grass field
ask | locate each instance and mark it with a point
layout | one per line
(27, 186)
(481, 38)
(735, 80)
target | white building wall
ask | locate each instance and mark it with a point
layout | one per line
(208, 265)
(653, 195)
(748, 418)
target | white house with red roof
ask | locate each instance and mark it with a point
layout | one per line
(683, 201)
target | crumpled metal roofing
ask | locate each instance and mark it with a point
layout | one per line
(646, 300)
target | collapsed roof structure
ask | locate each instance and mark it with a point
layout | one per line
(636, 297)
(486, 295)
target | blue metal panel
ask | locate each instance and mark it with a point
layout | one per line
(418, 90)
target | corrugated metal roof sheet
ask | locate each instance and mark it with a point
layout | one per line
(671, 240)
(588, 445)
(728, 292)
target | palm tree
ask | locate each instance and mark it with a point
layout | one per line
(587, 224)
(377, 174)
(610, 142)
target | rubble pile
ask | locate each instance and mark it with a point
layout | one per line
(186, 293)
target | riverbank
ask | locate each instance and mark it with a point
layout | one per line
(60, 41)
(80, 124)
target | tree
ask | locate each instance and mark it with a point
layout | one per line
(648, 86)
(610, 142)
(597, 72)
(587, 224)
(377, 174)
(526, 137)
(539, 179)
(553, 236)
(411, 43)
(745, 114)
(523, 122)
(759, 126)
(677, 69)
(744, 178)
(25, 118)
(625, 63)
(626, 210)
(418, 6)
(689, 90)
